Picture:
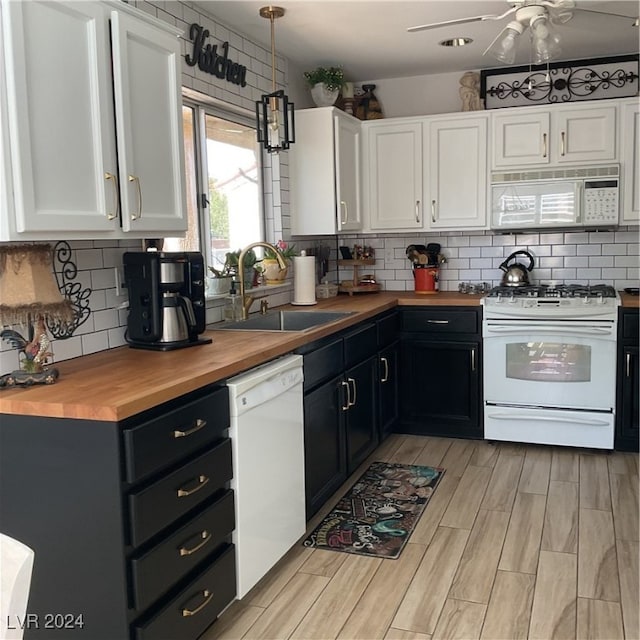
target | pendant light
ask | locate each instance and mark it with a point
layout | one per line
(274, 112)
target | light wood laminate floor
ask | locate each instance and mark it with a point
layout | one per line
(518, 541)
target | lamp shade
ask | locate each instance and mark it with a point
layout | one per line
(505, 44)
(28, 288)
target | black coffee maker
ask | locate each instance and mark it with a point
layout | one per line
(166, 299)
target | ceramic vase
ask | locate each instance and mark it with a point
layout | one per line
(272, 272)
(322, 96)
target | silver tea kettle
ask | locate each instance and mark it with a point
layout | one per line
(516, 274)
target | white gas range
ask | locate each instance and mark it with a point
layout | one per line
(549, 364)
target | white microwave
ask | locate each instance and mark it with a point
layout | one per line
(586, 197)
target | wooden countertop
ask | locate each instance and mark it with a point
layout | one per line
(115, 384)
(629, 301)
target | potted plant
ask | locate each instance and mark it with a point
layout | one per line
(270, 267)
(325, 83)
(220, 279)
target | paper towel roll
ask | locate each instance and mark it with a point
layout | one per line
(304, 280)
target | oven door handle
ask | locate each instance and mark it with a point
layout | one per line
(564, 330)
(506, 415)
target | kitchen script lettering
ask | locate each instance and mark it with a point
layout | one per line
(209, 60)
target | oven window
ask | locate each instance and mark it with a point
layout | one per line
(549, 362)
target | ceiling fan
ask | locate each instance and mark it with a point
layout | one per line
(540, 16)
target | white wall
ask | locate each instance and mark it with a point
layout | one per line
(418, 95)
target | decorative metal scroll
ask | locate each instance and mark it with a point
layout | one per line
(66, 271)
(561, 82)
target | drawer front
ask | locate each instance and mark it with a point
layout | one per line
(157, 570)
(323, 363)
(630, 325)
(160, 504)
(388, 328)
(360, 344)
(439, 321)
(197, 606)
(166, 439)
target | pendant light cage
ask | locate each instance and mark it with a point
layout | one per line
(275, 121)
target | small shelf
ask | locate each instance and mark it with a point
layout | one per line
(352, 286)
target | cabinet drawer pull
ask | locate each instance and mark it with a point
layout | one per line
(344, 212)
(207, 595)
(562, 137)
(473, 359)
(135, 216)
(352, 402)
(116, 201)
(628, 365)
(544, 145)
(385, 377)
(437, 322)
(433, 211)
(418, 211)
(202, 480)
(200, 423)
(206, 537)
(346, 384)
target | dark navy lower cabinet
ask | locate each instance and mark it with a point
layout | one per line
(131, 522)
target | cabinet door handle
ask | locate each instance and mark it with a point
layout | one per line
(202, 481)
(344, 212)
(562, 137)
(544, 145)
(473, 359)
(199, 424)
(433, 211)
(207, 595)
(346, 407)
(437, 322)
(418, 211)
(116, 201)
(628, 367)
(135, 216)
(204, 535)
(352, 402)
(385, 362)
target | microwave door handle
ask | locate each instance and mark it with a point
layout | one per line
(579, 202)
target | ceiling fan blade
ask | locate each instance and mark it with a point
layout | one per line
(448, 23)
(606, 13)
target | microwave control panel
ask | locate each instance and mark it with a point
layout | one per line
(600, 202)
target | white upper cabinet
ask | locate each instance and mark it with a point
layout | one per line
(62, 133)
(456, 184)
(148, 104)
(393, 180)
(630, 154)
(582, 133)
(324, 166)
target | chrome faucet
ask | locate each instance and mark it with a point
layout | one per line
(247, 300)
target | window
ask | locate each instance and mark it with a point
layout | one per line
(223, 184)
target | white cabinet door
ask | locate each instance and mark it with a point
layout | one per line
(324, 167)
(61, 128)
(457, 173)
(394, 175)
(148, 102)
(584, 134)
(347, 153)
(579, 134)
(630, 153)
(520, 139)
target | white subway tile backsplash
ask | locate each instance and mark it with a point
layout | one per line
(551, 238)
(563, 274)
(493, 252)
(576, 261)
(564, 250)
(95, 342)
(626, 261)
(601, 261)
(589, 250)
(614, 249)
(66, 349)
(576, 238)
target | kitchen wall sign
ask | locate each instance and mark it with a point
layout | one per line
(560, 82)
(208, 59)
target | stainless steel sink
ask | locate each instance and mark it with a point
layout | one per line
(284, 321)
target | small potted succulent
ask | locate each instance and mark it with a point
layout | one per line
(325, 83)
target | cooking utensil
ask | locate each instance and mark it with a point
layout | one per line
(516, 274)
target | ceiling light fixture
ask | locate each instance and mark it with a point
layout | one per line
(455, 42)
(274, 112)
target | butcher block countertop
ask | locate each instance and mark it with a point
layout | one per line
(116, 384)
(629, 301)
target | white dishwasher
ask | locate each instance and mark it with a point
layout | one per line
(267, 441)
